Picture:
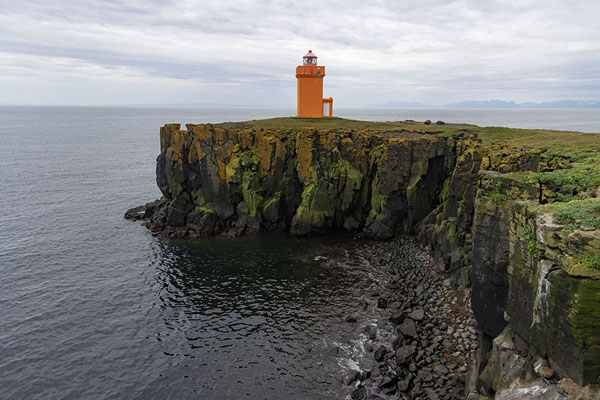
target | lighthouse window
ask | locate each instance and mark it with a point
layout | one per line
(310, 60)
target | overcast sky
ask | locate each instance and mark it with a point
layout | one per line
(245, 52)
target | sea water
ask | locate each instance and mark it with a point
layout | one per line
(92, 306)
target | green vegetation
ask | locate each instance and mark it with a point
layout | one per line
(584, 176)
(570, 161)
(531, 242)
(296, 124)
(576, 213)
(577, 145)
(553, 142)
(591, 262)
(247, 158)
(498, 197)
(204, 210)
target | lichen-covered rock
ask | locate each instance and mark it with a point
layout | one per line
(553, 305)
(491, 240)
(527, 274)
(448, 228)
(230, 180)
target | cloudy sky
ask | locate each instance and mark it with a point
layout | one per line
(245, 52)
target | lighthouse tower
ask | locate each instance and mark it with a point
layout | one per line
(311, 103)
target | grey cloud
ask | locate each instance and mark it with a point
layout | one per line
(529, 50)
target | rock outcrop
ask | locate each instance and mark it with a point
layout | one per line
(519, 227)
(230, 180)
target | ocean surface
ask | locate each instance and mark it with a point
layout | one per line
(92, 306)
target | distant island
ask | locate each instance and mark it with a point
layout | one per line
(571, 104)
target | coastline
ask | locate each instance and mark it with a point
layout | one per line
(510, 215)
(422, 338)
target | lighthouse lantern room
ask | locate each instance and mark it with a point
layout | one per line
(311, 103)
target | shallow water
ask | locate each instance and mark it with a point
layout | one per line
(92, 306)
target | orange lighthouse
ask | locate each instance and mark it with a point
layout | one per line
(311, 103)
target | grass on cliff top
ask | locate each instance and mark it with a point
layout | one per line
(563, 142)
(576, 213)
(296, 124)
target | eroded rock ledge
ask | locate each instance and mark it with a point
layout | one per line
(488, 210)
(217, 180)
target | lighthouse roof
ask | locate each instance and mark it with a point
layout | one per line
(310, 54)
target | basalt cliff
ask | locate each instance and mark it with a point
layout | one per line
(512, 215)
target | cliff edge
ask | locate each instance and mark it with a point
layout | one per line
(512, 214)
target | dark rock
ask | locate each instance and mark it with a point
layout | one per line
(365, 305)
(424, 376)
(273, 211)
(397, 317)
(365, 375)
(388, 381)
(360, 393)
(404, 353)
(380, 353)
(440, 370)
(408, 328)
(417, 315)
(382, 302)
(136, 213)
(350, 318)
(351, 224)
(431, 394)
(175, 216)
(403, 385)
(427, 122)
(397, 342)
(350, 377)
(375, 371)
(204, 224)
(440, 123)
(389, 391)
(371, 331)
(395, 305)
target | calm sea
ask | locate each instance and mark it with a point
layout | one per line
(92, 306)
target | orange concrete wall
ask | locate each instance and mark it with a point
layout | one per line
(310, 91)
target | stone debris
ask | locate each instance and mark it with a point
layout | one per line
(432, 340)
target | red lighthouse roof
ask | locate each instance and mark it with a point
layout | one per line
(309, 59)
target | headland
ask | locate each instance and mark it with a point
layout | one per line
(512, 216)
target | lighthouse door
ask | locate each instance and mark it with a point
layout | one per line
(326, 109)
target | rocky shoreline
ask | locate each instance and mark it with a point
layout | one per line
(513, 219)
(421, 339)
(425, 339)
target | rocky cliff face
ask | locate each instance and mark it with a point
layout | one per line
(226, 180)
(518, 227)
